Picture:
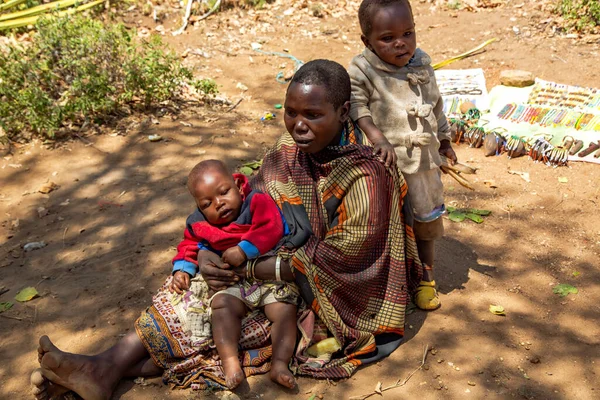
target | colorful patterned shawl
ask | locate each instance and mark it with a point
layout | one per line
(352, 247)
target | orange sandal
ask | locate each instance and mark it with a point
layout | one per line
(426, 297)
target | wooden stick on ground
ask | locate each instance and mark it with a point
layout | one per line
(397, 384)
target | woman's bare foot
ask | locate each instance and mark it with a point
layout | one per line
(92, 378)
(43, 389)
(234, 375)
(282, 375)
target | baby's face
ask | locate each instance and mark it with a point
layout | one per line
(218, 197)
(393, 36)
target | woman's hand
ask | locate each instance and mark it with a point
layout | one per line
(216, 273)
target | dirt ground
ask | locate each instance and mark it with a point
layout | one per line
(112, 225)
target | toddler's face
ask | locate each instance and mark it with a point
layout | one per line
(311, 119)
(393, 36)
(218, 197)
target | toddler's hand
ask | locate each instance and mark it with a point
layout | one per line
(180, 282)
(447, 151)
(386, 151)
(234, 256)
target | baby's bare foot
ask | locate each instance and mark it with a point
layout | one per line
(43, 389)
(282, 375)
(234, 375)
(90, 377)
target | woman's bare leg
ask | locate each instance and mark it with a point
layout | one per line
(283, 337)
(91, 377)
(227, 314)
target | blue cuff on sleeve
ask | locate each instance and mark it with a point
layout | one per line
(202, 246)
(250, 249)
(185, 266)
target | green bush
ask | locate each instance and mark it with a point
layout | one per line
(583, 14)
(79, 68)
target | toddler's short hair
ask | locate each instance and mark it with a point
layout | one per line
(329, 74)
(368, 8)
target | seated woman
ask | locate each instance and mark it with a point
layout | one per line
(350, 251)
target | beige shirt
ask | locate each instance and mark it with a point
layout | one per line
(402, 101)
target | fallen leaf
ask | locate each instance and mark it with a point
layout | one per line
(457, 216)
(313, 397)
(246, 171)
(497, 310)
(5, 306)
(246, 143)
(378, 388)
(450, 209)
(253, 164)
(479, 212)
(576, 273)
(26, 294)
(562, 179)
(474, 217)
(563, 289)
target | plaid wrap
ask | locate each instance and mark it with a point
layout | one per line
(359, 261)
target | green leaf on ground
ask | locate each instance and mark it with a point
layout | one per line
(5, 306)
(563, 289)
(576, 273)
(475, 218)
(253, 164)
(497, 310)
(450, 209)
(26, 294)
(457, 216)
(313, 397)
(479, 212)
(246, 171)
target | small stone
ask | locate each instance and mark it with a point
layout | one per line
(241, 86)
(434, 351)
(48, 187)
(471, 383)
(535, 360)
(517, 78)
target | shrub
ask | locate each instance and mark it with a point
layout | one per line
(583, 15)
(79, 68)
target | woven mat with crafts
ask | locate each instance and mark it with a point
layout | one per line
(563, 115)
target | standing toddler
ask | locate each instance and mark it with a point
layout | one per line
(396, 102)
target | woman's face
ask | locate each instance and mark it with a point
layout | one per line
(311, 119)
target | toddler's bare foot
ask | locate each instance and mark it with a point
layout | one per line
(282, 375)
(43, 389)
(90, 377)
(233, 372)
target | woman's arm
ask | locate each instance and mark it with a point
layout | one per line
(265, 269)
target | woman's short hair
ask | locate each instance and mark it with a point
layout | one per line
(328, 74)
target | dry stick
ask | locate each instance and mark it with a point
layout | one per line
(398, 383)
(64, 234)
(9, 317)
(188, 11)
(235, 105)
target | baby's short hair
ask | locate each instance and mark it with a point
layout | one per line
(201, 168)
(367, 10)
(329, 74)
